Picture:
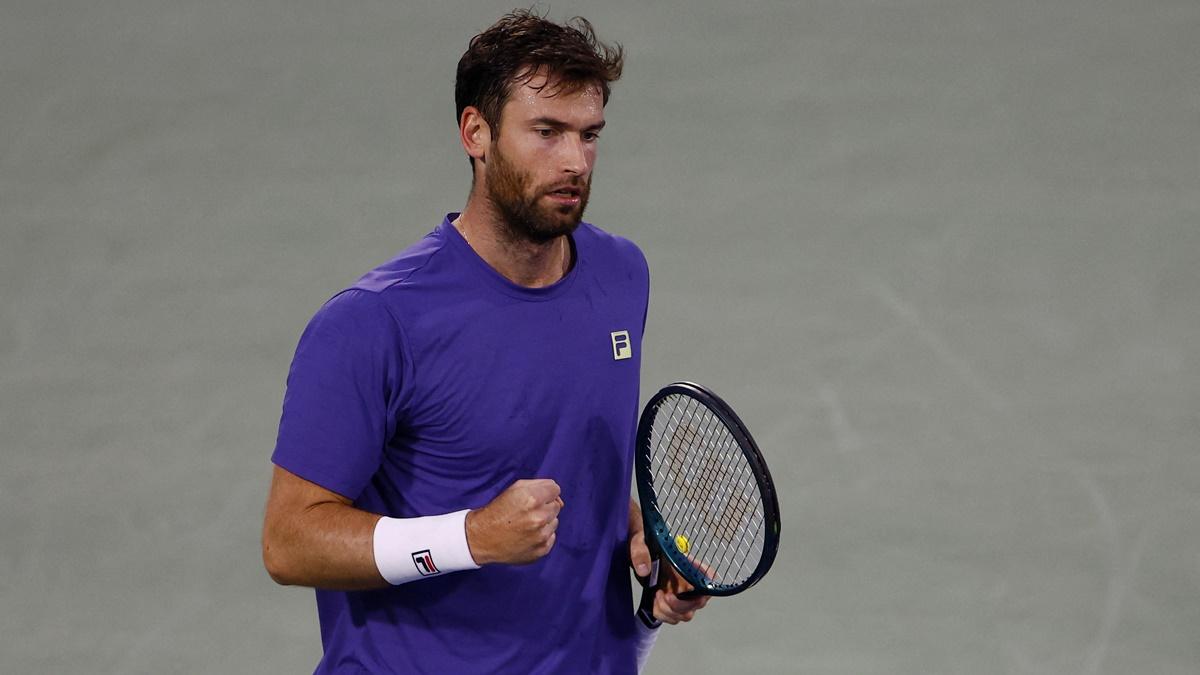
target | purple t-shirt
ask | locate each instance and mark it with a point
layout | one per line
(429, 387)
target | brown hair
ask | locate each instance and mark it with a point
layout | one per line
(522, 44)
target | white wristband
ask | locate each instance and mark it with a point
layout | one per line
(407, 549)
(645, 643)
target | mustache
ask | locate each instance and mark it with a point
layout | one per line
(575, 186)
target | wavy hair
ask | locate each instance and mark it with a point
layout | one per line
(522, 45)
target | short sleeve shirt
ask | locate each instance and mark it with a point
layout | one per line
(430, 386)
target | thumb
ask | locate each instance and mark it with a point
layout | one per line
(639, 554)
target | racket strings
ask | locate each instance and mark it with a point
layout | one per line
(729, 527)
(713, 522)
(700, 483)
(706, 489)
(713, 475)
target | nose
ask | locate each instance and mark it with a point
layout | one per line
(575, 156)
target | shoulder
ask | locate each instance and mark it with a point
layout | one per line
(609, 248)
(405, 266)
(352, 315)
(387, 294)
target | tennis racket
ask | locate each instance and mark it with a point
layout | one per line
(708, 503)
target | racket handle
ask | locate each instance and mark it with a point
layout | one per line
(645, 611)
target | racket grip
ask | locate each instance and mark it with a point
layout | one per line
(645, 611)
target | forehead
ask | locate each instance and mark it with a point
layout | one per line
(541, 96)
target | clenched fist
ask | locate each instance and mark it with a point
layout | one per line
(517, 527)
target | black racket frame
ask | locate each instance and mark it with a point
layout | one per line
(659, 538)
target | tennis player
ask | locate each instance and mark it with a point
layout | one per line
(453, 462)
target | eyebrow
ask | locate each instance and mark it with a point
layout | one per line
(559, 124)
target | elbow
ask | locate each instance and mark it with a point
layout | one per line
(276, 569)
(277, 562)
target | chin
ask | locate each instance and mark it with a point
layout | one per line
(558, 221)
(544, 232)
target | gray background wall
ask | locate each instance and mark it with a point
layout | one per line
(944, 256)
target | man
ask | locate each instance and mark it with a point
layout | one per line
(454, 455)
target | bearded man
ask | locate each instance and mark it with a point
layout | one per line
(452, 470)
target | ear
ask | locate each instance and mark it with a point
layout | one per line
(474, 133)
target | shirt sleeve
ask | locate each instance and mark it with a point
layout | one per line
(343, 390)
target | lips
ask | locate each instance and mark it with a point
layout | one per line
(566, 196)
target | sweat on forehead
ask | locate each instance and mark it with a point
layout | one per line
(549, 83)
(540, 82)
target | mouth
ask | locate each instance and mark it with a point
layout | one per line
(565, 195)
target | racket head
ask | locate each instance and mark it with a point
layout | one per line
(708, 502)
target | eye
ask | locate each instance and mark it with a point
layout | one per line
(591, 136)
(545, 133)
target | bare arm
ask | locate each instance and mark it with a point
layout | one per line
(314, 537)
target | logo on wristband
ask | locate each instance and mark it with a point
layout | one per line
(424, 562)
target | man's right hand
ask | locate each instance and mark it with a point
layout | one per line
(517, 527)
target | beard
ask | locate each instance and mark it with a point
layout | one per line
(521, 207)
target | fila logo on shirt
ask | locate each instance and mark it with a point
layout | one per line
(622, 347)
(424, 562)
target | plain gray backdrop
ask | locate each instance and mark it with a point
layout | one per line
(943, 256)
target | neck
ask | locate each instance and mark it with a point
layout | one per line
(533, 264)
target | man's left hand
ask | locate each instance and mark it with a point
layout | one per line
(668, 606)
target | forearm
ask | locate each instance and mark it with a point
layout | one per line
(315, 537)
(325, 545)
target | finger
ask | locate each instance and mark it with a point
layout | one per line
(544, 490)
(683, 610)
(678, 584)
(665, 612)
(639, 554)
(662, 612)
(548, 511)
(680, 606)
(674, 583)
(703, 567)
(685, 606)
